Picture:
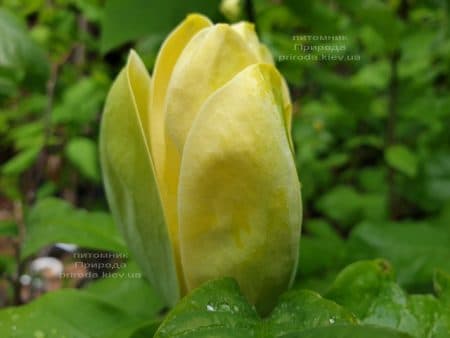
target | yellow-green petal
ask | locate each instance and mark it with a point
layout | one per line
(167, 170)
(167, 57)
(239, 195)
(129, 178)
(212, 58)
(247, 32)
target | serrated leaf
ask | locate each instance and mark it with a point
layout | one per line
(52, 221)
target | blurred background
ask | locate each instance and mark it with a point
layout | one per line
(371, 90)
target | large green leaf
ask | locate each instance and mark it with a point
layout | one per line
(52, 220)
(218, 309)
(67, 313)
(127, 20)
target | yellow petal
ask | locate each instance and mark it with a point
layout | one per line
(239, 195)
(247, 31)
(167, 171)
(165, 62)
(129, 178)
(212, 58)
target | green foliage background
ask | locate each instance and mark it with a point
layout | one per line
(372, 151)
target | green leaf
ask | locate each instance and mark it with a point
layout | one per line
(125, 21)
(341, 204)
(358, 284)
(67, 313)
(91, 91)
(128, 290)
(21, 59)
(217, 304)
(414, 249)
(21, 162)
(218, 309)
(52, 220)
(83, 154)
(373, 76)
(302, 310)
(367, 288)
(401, 158)
(143, 330)
(349, 332)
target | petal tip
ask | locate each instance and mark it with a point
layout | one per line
(197, 17)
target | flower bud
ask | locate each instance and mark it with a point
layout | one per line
(198, 163)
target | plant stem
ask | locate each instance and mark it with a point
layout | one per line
(393, 198)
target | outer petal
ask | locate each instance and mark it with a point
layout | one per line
(129, 178)
(210, 59)
(168, 170)
(165, 62)
(239, 195)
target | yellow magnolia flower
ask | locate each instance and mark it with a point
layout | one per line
(198, 163)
